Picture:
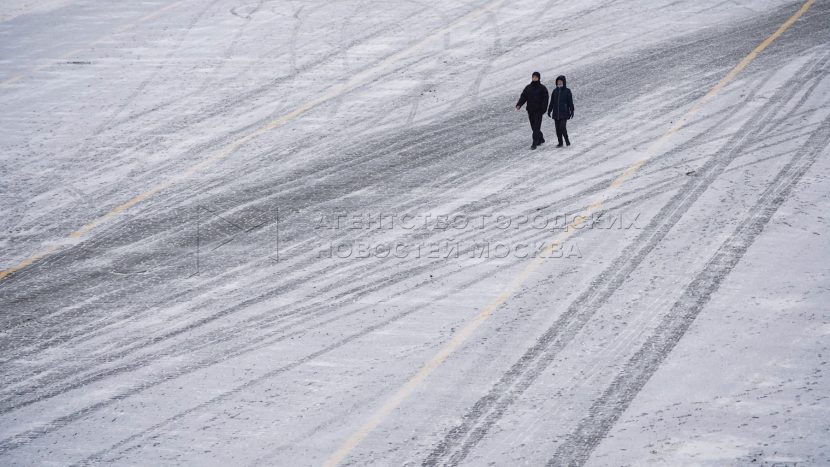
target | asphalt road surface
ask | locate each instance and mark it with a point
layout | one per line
(313, 233)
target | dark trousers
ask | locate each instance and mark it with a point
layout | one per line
(562, 130)
(536, 126)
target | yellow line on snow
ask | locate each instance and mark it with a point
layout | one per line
(354, 81)
(458, 339)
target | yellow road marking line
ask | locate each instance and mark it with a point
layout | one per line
(355, 80)
(125, 28)
(455, 343)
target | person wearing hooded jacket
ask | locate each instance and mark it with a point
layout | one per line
(561, 109)
(536, 96)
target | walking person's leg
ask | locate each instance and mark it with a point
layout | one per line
(535, 125)
(532, 127)
(558, 123)
(565, 131)
(538, 117)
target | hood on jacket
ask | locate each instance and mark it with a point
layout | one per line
(561, 78)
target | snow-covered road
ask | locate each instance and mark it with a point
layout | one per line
(305, 233)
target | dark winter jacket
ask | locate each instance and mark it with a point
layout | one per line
(536, 95)
(561, 102)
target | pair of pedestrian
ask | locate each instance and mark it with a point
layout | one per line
(559, 106)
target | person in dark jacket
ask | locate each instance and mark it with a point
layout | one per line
(536, 96)
(561, 109)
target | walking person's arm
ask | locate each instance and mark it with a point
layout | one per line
(522, 100)
(550, 105)
(571, 103)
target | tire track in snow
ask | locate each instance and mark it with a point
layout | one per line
(253, 344)
(208, 146)
(460, 440)
(148, 139)
(38, 390)
(223, 397)
(606, 410)
(124, 350)
(256, 323)
(411, 143)
(270, 320)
